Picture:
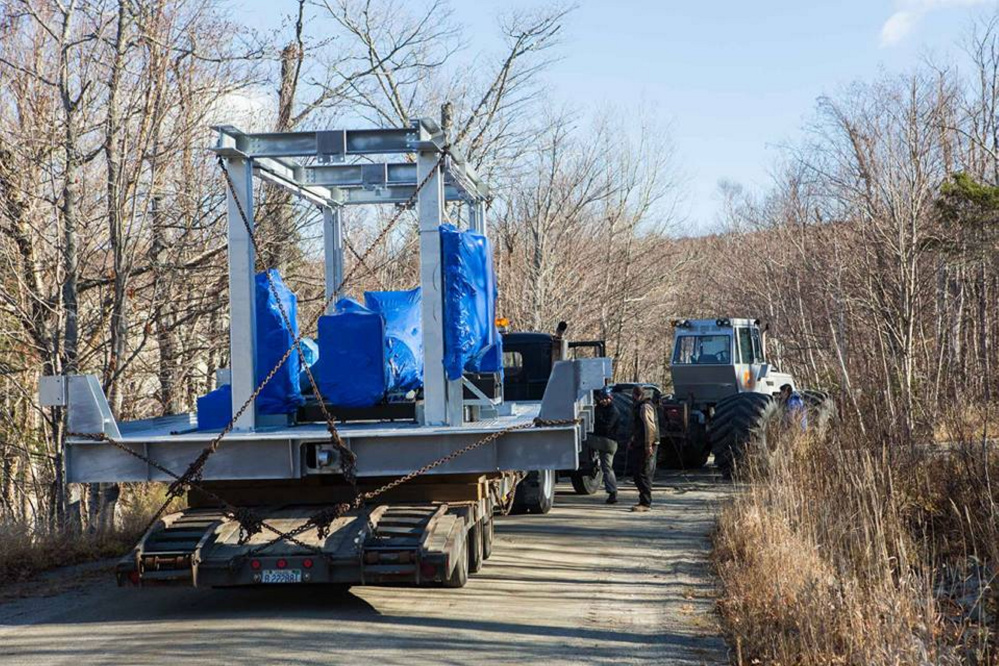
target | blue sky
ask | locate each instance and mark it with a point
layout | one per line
(734, 80)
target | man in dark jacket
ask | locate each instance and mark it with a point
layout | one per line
(644, 442)
(604, 439)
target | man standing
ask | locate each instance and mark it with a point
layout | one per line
(794, 407)
(604, 439)
(644, 442)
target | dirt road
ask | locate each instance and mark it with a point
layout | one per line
(587, 583)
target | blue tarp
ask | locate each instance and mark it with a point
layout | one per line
(351, 370)
(471, 341)
(403, 335)
(281, 395)
(310, 349)
(215, 408)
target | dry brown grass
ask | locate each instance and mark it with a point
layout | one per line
(26, 551)
(847, 551)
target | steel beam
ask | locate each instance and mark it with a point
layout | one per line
(242, 301)
(391, 194)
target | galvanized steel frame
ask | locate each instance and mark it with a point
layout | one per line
(314, 166)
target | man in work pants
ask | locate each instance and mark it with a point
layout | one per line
(644, 442)
(604, 439)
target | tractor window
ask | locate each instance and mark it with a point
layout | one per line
(513, 363)
(703, 350)
(745, 345)
(757, 346)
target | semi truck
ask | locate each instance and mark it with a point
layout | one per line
(361, 482)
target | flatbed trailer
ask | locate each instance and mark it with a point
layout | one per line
(467, 449)
(409, 539)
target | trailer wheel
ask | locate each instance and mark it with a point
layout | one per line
(536, 493)
(488, 531)
(474, 547)
(588, 483)
(740, 421)
(459, 574)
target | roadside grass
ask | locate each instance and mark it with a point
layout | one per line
(849, 550)
(27, 550)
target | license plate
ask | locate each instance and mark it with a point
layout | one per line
(281, 576)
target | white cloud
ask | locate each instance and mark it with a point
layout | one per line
(908, 13)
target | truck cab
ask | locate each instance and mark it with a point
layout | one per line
(528, 357)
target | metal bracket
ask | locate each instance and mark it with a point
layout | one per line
(331, 146)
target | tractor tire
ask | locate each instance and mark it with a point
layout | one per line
(671, 455)
(694, 458)
(741, 421)
(588, 484)
(536, 493)
(821, 410)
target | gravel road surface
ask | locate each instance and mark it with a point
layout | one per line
(587, 583)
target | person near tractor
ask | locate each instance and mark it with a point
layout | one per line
(645, 440)
(794, 406)
(604, 439)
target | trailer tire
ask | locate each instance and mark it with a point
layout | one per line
(475, 549)
(459, 574)
(588, 484)
(488, 532)
(741, 421)
(536, 493)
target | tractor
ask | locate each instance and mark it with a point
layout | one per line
(725, 393)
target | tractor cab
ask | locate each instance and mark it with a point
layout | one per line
(716, 358)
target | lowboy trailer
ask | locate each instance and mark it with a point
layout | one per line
(467, 447)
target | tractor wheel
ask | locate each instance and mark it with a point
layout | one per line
(821, 409)
(671, 454)
(741, 421)
(696, 458)
(536, 493)
(588, 484)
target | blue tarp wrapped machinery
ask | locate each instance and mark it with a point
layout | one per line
(471, 341)
(368, 351)
(351, 370)
(403, 335)
(281, 395)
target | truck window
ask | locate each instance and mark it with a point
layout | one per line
(513, 363)
(745, 345)
(703, 350)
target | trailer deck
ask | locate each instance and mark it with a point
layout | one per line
(296, 451)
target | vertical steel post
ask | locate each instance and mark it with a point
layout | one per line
(242, 301)
(477, 216)
(333, 244)
(430, 207)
